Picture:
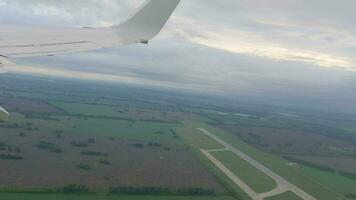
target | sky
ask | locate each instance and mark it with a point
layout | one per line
(289, 50)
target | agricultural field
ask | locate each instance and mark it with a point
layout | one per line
(27, 196)
(53, 161)
(28, 105)
(50, 145)
(337, 164)
(118, 112)
(107, 144)
(289, 141)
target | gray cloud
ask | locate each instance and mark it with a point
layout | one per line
(282, 48)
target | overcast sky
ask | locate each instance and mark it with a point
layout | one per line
(290, 49)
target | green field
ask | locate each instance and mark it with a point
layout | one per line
(255, 179)
(138, 130)
(285, 196)
(331, 181)
(28, 196)
(127, 130)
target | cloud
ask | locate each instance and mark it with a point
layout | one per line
(278, 30)
(261, 47)
(250, 43)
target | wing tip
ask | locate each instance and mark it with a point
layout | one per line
(148, 21)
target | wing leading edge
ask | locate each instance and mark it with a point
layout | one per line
(30, 41)
(146, 23)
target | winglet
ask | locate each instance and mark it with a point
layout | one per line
(147, 22)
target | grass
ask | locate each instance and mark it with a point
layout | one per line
(255, 179)
(29, 196)
(332, 181)
(285, 196)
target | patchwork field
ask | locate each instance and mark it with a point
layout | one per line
(337, 164)
(52, 161)
(65, 139)
(97, 126)
(119, 112)
(25, 105)
(98, 147)
(287, 141)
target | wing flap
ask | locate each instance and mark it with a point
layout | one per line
(30, 50)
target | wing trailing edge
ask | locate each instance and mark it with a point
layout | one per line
(30, 41)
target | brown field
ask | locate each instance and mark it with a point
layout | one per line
(346, 164)
(284, 141)
(155, 115)
(128, 163)
(28, 105)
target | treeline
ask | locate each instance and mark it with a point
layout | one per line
(82, 189)
(350, 196)
(310, 164)
(40, 115)
(10, 157)
(74, 189)
(161, 191)
(321, 167)
(26, 126)
(48, 146)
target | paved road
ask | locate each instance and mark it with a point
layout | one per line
(282, 184)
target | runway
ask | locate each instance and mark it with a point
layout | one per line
(282, 184)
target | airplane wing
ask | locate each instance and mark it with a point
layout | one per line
(147, 22)
(19, 41)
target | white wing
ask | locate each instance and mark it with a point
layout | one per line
(31, 41)
(18, 41)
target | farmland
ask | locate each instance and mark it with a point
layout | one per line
(49, 145)
(109, 143)
(27, 196)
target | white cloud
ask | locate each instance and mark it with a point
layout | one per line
(255, 44)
